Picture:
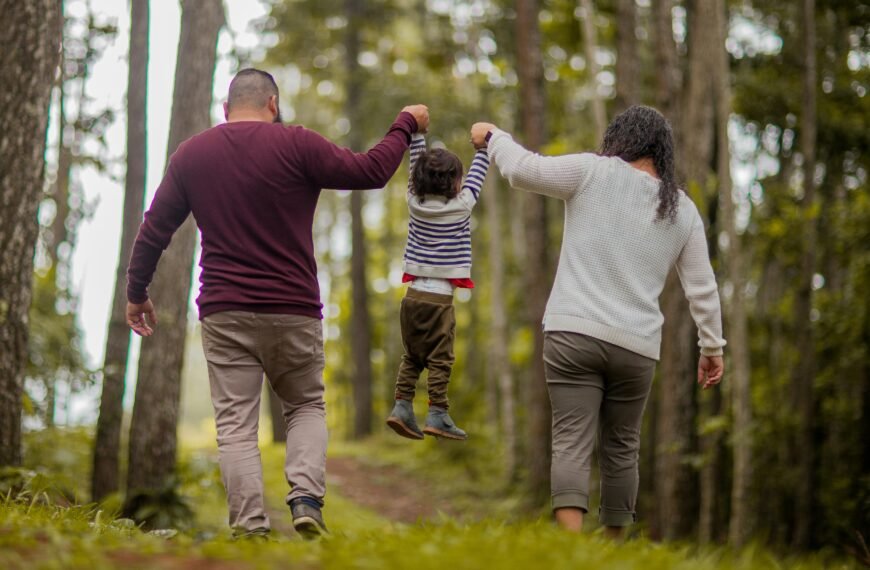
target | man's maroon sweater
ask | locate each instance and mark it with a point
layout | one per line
(252, 188)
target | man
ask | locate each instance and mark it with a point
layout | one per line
(252, 185)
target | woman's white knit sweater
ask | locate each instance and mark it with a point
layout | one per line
(615, 255)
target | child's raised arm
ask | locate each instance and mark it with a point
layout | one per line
(418, 147)
(476, 173)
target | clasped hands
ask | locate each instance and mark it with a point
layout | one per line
(421, 115)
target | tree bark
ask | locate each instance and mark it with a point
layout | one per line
(740, 524)
(804, 373)
(627, 65)
(674, 420)
(105, 478)
(532, 119)
(29, 54)
(153, 435)
(498, 344)
(590, 43)
(677, 413)
(360, 319)
(665, 57)
(60, 194)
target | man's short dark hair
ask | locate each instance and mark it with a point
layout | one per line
(251, 88)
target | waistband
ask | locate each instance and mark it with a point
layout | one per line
(429, 297)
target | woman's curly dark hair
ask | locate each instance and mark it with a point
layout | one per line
(642, 132)
(437, 172)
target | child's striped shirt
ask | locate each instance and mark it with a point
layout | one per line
(439, 230)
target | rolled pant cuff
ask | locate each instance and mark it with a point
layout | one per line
(570, 499)
(616, 518)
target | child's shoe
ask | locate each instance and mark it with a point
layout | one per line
(402, 420)
(440, 424)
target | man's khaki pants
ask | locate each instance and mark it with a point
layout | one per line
(239, 348)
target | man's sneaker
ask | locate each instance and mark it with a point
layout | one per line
(402, 420)
(440, 424)
(307, 518)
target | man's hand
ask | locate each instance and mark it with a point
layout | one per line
(141, 317)
(421, 114)
(479, 132)
(710, 370)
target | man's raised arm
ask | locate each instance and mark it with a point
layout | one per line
(331, 166)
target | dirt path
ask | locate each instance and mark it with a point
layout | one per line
(386, 490)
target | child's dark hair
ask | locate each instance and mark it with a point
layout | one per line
(642, 132)
(437, 172)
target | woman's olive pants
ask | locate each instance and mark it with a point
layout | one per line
(598, 391)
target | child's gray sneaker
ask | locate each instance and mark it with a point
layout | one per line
(440, 424)
(402, 420)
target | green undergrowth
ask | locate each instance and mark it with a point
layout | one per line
(34, 535)
(41, 528)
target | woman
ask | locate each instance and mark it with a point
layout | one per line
(626, 225)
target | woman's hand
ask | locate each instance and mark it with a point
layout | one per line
(479, 132)
(710, 370)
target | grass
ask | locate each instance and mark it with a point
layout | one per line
(37, 532)
(45, 536)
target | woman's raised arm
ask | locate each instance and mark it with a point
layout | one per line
(556, 176)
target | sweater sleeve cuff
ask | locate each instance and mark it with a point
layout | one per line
(136, 297)
(494, 135)
(717, 351)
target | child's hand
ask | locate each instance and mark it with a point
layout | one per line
(479, 132)
(421, 114)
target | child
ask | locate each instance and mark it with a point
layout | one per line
(437, 259)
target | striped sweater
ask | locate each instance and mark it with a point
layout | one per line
(439, 230)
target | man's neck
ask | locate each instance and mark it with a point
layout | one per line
(645, 165)
(249, 115)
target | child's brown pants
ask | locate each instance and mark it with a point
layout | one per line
(428, 328)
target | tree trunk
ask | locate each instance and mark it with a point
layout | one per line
(360, 324)
(665, 57)
(60, 193)
(674, 418)
(533, 113)
(153, 435)
(677, 415)
(627, 65)
(498, 343)
(590, 44)
(804, 374)
(29, 53)
(106, 473)
(740, 524)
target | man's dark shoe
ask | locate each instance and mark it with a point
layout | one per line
(307, 518)
(402, 420)
(440, 424)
